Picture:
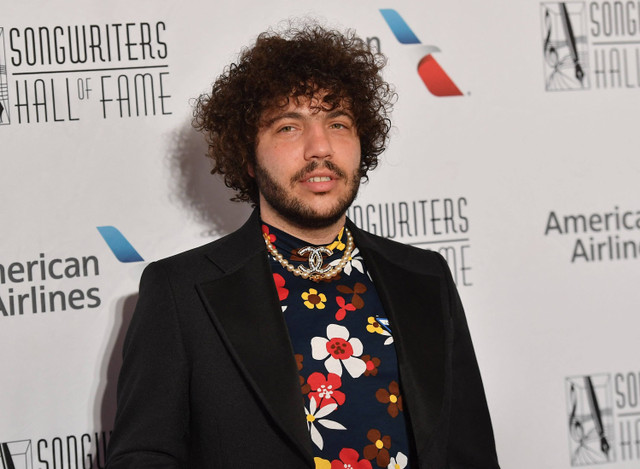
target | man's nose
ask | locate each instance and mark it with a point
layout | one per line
(317, 142)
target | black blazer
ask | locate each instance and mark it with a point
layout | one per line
(209, 379)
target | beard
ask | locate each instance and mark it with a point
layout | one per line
(296, 211)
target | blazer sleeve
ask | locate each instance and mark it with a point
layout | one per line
(151, 425)
(471, 444)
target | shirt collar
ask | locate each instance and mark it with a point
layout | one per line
(288, 245)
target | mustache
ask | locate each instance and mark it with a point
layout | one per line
(313, 165)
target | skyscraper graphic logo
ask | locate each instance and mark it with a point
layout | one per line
(590, 419)
(4, 84)
(566, 56)
(16, 455)
(432, 74)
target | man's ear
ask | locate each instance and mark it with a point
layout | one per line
(251, 170)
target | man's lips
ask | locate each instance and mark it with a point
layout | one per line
(319, 177)
(320, 181)
(315, 169)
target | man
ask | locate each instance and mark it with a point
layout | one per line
(300, 341)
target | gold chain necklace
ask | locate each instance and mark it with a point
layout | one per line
(315, 271)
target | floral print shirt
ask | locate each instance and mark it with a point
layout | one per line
(343, 346)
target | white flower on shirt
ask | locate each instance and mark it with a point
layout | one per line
(355, 262)
(315, 415)
(340, 350)
(399, 462)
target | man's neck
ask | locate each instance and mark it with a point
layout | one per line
(317, 236)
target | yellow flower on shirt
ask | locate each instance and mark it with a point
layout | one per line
(337, 244)
(313, 299)
(322, 463)
(374, 326)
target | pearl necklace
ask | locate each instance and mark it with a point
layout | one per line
(315, 271)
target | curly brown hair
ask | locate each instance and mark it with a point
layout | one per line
(280, 66)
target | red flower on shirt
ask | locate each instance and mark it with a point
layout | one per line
(271, 236)
(349, 459)
(324, 390)
(283, 293)
(344, 307)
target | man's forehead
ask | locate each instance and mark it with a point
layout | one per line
(321, 101)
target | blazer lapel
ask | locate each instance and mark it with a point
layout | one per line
(244, 307)
(413, 303)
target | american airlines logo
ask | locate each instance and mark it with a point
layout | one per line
(432, 74)
(119, 245)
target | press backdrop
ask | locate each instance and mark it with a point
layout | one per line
(514, 152)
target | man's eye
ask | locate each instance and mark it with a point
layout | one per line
(286, 128)
(338, 125)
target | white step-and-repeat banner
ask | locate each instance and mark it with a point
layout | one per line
(514, 153)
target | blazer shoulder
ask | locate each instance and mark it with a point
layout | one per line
(189, 258)
(223, 255)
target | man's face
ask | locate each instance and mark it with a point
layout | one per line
(307, 163)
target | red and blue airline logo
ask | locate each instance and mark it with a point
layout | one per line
(432, 74)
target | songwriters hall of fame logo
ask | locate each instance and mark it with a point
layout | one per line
(590, 419)
(565, 46)
(16, 455)
(69, 72)
(4, 85)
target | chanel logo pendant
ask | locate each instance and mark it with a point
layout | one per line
(315, 259)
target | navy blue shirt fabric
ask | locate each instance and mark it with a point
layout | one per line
(343, 345)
